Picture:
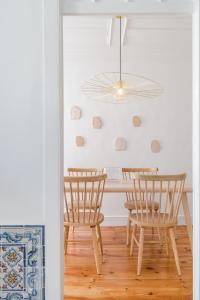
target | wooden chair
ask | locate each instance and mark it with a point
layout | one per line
(86, 172)
(128, 175)
(165, 190)
(83, 200)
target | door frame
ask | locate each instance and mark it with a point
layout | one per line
(196, 152)
(54, 145)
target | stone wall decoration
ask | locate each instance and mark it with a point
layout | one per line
(155, 146)
(120, 144)
(96, 122)
(22, 261)
(75, 113)
(80, 141)
(136, 121)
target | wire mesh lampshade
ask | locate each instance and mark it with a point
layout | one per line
(118, 87)
(107, 87)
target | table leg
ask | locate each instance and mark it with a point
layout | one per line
(187, 216)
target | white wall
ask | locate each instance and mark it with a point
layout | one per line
(30, 184)
(155, 47)
(21, 124)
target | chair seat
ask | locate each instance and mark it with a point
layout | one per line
(130, 205)
(153, 220)
(87, 205)
(83, 219)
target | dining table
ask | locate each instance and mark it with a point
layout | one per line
(125, 186)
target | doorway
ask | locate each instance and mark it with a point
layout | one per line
(143, 53)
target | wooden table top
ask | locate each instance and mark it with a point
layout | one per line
(122, 186)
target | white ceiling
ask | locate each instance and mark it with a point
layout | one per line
(126, 6)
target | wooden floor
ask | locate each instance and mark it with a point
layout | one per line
(118, 281)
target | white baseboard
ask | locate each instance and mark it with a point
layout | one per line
(122, 220)
(114, 221)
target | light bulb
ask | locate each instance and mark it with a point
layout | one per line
(120, 91)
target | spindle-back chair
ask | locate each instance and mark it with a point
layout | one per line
(128, 174)
(166, 190)
(84, 171)
(87, 172)
(83, 199)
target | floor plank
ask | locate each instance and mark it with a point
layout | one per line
(159, 279)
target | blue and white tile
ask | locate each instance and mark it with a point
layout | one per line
(22, 268)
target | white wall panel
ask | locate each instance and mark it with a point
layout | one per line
(21, 112)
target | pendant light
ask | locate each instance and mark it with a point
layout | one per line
(118, 87)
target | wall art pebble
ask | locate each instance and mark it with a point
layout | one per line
(137, 121)
(80, 141)
(75, 113)
(96, 122)
(155, 146)
(120, 144)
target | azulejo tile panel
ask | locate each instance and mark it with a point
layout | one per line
(22, 262)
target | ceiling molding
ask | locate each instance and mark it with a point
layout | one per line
(102, 7)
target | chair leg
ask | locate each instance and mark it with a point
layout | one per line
(175, 232)
(128, 229)
(132, 239)
(173, 242)
(140, 251)
(166, 242)
(99, 238)
(159, 235)
(97, 255)
(66, 233)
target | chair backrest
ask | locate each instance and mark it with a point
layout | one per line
(129, 173)
(84, 171)
(165, 190)
(83, 198)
